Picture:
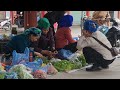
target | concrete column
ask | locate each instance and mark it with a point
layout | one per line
(43, 13)
(119, 14)
(30, 19)
(88, 13)
(11, 16)
(68, 12)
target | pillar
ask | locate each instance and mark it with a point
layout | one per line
(68, 12)
(12, 16)
(119, 14)
(88, 13)
(30, 19)
(43, 13)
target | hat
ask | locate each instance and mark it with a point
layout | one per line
(43, 23)
(90, 26)
(66, 21)
(33, 30)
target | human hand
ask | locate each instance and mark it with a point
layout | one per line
(46, 52)
(55, 52)
(79, 36)
(38, 54)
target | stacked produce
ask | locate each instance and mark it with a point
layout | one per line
(40, 69)
(67, 65)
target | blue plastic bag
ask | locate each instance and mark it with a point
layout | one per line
(7, 67)
(45, 68)
(104, 29)
(76, 38)
(11, 75)
(35, 65)
(64, 54)
(19, 58)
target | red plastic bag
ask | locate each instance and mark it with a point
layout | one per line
(40, 74)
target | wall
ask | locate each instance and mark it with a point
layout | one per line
(78, 15)
(7, 14)
(2, 15)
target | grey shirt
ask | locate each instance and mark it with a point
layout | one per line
(91, 42)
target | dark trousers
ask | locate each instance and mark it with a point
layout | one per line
(7, 53)
(92, 56)
(71, 47)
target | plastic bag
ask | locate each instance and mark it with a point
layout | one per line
(64, 54)
(51, 69)
(22, 71)
(7, 67)
(104, 29)
(73, 56)
(34, 65)
(2, 74)
(20, 57)
(1, 67)
(1, 37)
(11, 75)
(76, 38)
(40, 74)
(55, 60)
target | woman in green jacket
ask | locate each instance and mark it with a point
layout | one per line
(20, 42)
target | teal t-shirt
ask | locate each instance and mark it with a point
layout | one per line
(19, 43)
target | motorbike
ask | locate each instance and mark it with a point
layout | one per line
(113, 34)
(5, 24)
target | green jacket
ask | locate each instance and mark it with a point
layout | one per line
(19, 43)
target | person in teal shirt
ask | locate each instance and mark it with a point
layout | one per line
(20, 42)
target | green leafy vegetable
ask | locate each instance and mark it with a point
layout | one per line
(82, 59)
(63, 65)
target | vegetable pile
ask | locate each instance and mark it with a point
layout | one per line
(65, 65)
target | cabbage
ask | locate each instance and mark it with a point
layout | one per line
(63, 65)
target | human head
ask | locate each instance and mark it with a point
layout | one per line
(66, 21)
(44, 25)
(101, 17)
(89, 27)
(33, 33)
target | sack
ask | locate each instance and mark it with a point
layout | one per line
(114, 51)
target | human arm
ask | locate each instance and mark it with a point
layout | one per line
(35, 46)
(38, 54)
(68, 36)
(51, 40)
(81, 43)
